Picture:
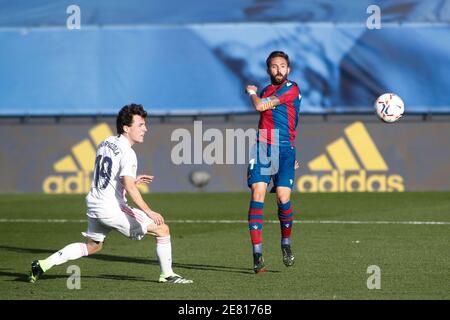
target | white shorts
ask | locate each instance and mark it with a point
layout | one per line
(131, 222)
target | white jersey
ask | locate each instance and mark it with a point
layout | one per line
(114, 159)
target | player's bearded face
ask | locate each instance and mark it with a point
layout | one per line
(278, 78)
(278, 70)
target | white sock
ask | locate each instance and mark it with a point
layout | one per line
(70, 252)
(164, 253)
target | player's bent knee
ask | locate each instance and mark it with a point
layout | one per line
(283, 195)
(258, 195)
(162, 230)
(283, 199)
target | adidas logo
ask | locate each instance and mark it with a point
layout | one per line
(75, 170)
(351, 164)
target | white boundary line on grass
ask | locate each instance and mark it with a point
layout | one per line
(239, 221)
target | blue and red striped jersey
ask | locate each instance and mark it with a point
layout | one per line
(283, 117)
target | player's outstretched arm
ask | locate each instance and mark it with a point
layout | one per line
(262, 104)
(130, 186)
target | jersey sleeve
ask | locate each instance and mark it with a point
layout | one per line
(290, 95)
(128, 164)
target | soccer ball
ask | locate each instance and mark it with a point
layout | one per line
(389, 107)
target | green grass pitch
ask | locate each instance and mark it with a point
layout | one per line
(332, 257)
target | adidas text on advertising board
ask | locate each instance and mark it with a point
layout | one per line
(344, 173)
(74, 171)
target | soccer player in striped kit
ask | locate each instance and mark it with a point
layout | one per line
(107, 208)
(274, 154)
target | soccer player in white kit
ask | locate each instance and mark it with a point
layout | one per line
(107, 208)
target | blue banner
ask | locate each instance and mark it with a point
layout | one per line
(192, 63)
(41, 13)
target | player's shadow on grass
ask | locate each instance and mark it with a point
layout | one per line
(111, 258)
(23, 277)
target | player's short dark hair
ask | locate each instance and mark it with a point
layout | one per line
(275, 54)
(125, 116)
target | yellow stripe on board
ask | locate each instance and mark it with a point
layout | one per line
(342, 155)
(100, 133)
(66, 164)
(320, 163)
(365, 148)
(85, 155)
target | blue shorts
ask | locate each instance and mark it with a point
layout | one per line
(268, 162)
